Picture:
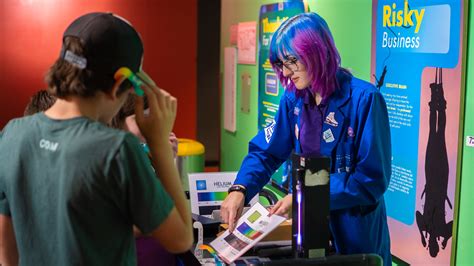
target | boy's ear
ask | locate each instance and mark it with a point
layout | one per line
(113, 93)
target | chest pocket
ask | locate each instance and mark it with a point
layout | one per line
(344, 157)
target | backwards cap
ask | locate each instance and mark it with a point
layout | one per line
(109, 41)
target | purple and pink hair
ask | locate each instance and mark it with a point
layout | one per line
(308, 38)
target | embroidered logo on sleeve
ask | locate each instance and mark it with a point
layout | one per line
(269, 131)
(331, 120)
(328, 136)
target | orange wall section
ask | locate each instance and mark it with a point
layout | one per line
(30, 41)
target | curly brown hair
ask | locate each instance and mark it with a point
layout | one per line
(65, 79)
(39, 102)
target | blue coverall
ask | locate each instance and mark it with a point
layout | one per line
(360, 150)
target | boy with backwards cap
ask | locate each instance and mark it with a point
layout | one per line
(71, 187)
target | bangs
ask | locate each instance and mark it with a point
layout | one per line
(281, 45)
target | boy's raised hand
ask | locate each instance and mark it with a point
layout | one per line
(157, 125)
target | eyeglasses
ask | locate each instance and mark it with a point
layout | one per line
(290, 64)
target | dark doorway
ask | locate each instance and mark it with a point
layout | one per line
(208, 99)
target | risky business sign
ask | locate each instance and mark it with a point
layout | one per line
(417, 46)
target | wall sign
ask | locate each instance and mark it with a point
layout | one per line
(417, 46)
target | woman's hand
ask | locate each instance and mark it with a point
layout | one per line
(231, 208)
(283, 206)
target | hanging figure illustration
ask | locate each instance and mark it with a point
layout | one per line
(432, 223)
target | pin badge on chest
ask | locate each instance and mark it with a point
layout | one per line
(296, 111)
(328, 136)
(331, 120)
(350, 132)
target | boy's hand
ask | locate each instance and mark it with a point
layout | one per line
(157, 125)
(174, 144)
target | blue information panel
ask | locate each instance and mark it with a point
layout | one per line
(418, 69)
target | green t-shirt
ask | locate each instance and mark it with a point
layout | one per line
(74, 188)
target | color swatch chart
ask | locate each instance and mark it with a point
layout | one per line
(248, 231)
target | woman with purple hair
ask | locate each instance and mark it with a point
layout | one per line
(325, 111)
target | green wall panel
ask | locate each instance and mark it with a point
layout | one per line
(234, 145)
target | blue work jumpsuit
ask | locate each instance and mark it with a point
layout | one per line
(356, 136)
